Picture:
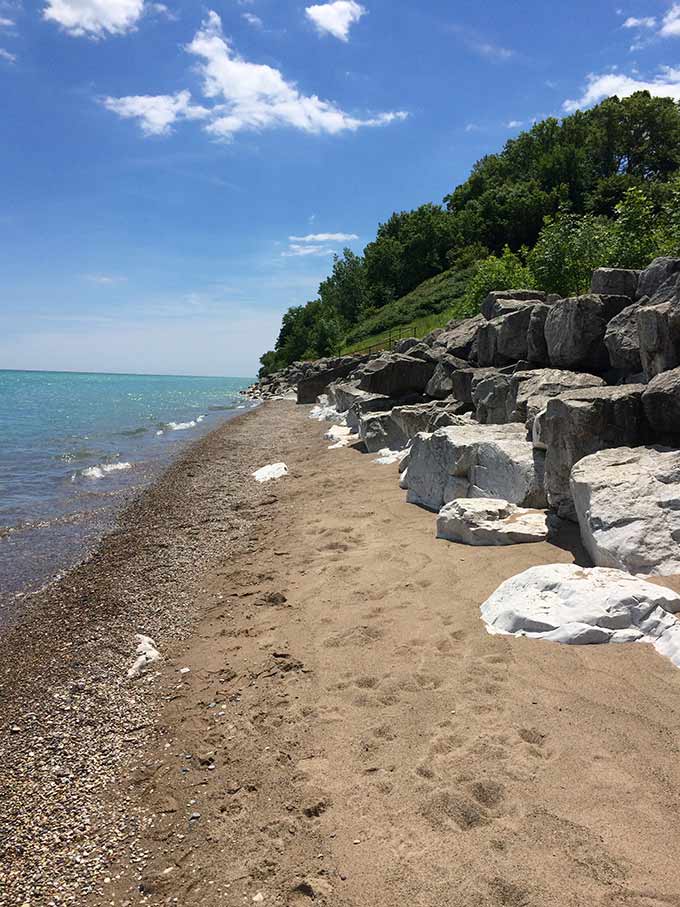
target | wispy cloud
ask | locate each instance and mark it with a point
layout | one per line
(324, 237)
(253, 20)
(481, 44)
(245, 96)
(514, 124)
(105, 280)
(643, 22)
(6, 23)
(296, 250)
(666, 84)
(335, 18)
(7, 56)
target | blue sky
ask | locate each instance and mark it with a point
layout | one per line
(157, 158)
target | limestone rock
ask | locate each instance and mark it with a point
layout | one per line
(533, 389)
(498, 302)
(575, 329)
(504, 339)
(492, 396)
(581, 422)
(441, 384)
(661, 403)
(623, 341)
(615, 282)
(317, 381)
(490, 521)
(628, 506)
(582, 606)
(460, 335)
(395, 375)
(475, 461)
(537, 348)
(659, 334)
(655, 275)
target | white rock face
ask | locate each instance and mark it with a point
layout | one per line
(326, 412)
(628, 506)
(490, 521)
(386, 456)
(272, 471)
(581, 606)
(475, 461)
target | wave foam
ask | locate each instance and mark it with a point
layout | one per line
(181, 426)
(103, 469)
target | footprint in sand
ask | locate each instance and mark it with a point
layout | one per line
(354, 636)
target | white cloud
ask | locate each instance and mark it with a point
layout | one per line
(157, 113)
(598, 87)
(643, 22)
(513, 124)
(296, 249)
(95, 18)
(6, 23)
(246, 97)
(472, 127)
(7, 56)
(335, 18)
(105, 280)
(670, 24)
(324, 237)
(252, 19)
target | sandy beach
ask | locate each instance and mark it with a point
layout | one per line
(329, 721)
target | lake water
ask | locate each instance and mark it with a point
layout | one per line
(75, 447)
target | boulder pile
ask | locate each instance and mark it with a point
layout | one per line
(537, 410)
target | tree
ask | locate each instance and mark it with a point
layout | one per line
(569, 248)
(504, 272)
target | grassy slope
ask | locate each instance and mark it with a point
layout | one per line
(429, 306)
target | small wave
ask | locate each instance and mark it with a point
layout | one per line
(132, 432)
(180, 426)
(82, 453)
(98, 472)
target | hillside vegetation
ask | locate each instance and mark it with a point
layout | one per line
(598, 188)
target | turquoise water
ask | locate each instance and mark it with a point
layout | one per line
(74, 447)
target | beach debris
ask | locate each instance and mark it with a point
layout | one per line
(490, 521)
(146, 652)
(584, 606)
(341, 436)
(272, 471)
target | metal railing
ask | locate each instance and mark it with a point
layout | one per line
(393, 336)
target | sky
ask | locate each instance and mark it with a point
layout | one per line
(174, 176)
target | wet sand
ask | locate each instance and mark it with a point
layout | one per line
(347, 733)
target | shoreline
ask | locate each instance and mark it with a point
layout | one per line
(330, 721)
(64, 661)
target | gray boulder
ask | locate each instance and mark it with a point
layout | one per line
(316, 382)
(623, 340)
(581, 422)
(659, 336)
(575, 329)
(537, 348)
(396, 374)
(403, 346)
(504, 339)
(492, 396)
(661, 404)
(474, 461)
(615, 282)
(441, 384)
(628, 507)
(517, 397)
(460, 335)
(378, 431)
(500, 302)
(655, 275)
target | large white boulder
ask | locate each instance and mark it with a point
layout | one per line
(490, 521)
(577, 605)
(472, 460)
(628, 506)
